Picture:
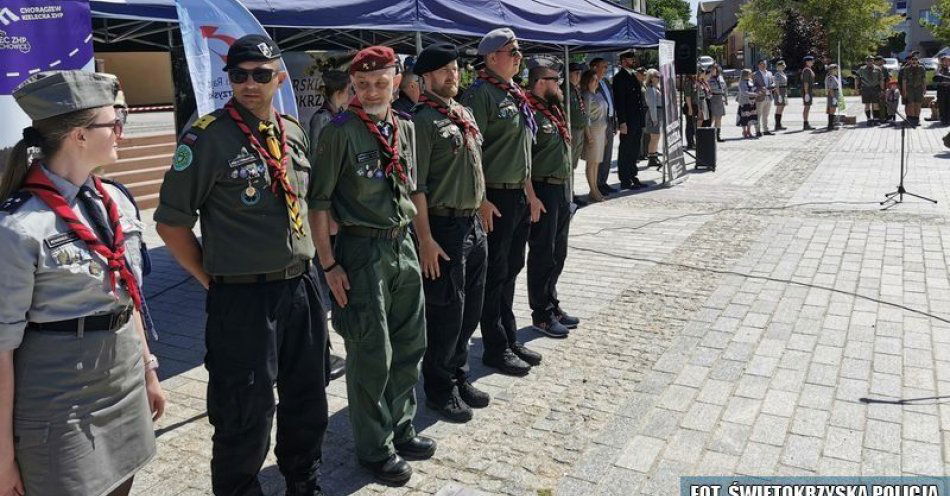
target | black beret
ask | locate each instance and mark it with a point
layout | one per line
(251, 48)
(577, 66)
(434, 57)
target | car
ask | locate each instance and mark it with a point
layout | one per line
(929, 63)
(943, 51)
(704, 62)
(891, 64)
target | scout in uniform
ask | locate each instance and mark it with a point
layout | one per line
(507, 123)
(886, 76)
(79, 382)
(834, 94)
(781, 94)
(870, 83)
(579, 122)
(550, 171)
(808, 88)
(942, 78)
(913, 87)
(364, 177)
(453, 250)
(245, 168)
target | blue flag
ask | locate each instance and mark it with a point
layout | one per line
(208, 28)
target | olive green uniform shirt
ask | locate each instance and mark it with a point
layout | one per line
(245, 228)
(579, 118)
(450, 168)
(350, 178)
(549, 154)
(870, 77)
(808, 80)
(915, 78)
(506, 153)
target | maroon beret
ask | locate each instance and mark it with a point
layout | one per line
(373, 58)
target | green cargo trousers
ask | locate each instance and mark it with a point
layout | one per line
(384, 330)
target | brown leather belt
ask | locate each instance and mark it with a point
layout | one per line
(550, 180)
(293, 270)
(504, 185)
(452, 212)
(372, 232)
(108, 322)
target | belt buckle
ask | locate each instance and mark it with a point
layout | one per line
(393, 233)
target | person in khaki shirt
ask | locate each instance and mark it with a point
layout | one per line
(245, 169)
(808, 89)
(364, 178)
(507, 122)
(453, 250)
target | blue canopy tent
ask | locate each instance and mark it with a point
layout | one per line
(545, 25)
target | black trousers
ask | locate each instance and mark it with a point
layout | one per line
(943, 103)
(258, 335)
(547, 250)
(453, 302)
(506, 247)
(690, 131)
(629, 153)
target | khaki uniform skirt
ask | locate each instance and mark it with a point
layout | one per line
(81, 420)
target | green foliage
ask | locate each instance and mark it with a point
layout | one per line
(676, 13)
(860, 26)
(895, 44)
(941, 31)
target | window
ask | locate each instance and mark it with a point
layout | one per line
(708, 32)
(928, 16)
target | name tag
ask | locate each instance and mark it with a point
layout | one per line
(60, 239)
(367, 156)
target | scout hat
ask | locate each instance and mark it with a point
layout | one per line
(545, 61)
(51, 93)
(374, 58)
(434, 57)
(253, 48)
(576, 66)
(629, 54)
(495, 39)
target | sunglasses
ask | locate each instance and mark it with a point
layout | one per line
(514, 52)
(560, 80)
(117, 125)
(260, 76)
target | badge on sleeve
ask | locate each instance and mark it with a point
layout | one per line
(183, 158)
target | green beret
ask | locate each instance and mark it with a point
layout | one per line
(51, 93)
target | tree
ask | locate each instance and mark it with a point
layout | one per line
(941, 30)
(800, 37)
(895, 44)
(676, 13)
(860, 26)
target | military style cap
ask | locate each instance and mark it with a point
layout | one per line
(808, 57)
(629, 54)
(577, 66)
(434, 57)
(545, 61)
(51, 93)
(251, 48)
(373, 58)
(780, 63)
(495, 39)
(641, 70)
(878, 57)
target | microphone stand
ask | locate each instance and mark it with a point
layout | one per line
(895, 197)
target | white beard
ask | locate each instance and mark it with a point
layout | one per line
(379, 110)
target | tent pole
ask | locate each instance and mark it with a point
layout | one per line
(418, 43)
(567, 111)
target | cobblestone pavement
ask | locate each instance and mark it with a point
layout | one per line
(763, 319)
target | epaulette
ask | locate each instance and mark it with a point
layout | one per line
(15, 201)
(403, 115)
(341, 118)
(204, 121)
(291, 119)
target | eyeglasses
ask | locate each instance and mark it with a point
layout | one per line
(560, 80)
(117, 125)
(260, 76)
(514, 52)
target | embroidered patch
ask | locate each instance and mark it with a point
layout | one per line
(15, 202)
(60, 239)
(183, 158)
(367, 156)
(340, 118)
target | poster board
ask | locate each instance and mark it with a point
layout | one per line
(674, 161)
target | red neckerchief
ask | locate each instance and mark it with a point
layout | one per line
(455, 115)
(519, 96)
(394, 166)
(557, 117)
(39, 184)
(278, 169)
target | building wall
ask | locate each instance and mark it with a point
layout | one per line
(146, 77)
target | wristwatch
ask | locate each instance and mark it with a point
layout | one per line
(151, 363)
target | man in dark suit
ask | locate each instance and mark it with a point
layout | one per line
(628, 105)
(599, 65)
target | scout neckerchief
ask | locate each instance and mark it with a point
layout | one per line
(39, 184)
(276, 158)
(576, 92)
(557, 117)
(394, 167)
(470, 129)
(519, 96)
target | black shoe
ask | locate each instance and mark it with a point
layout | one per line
(580, 203)
(417, 448)
(565, 319)
(452, 408)
(337, 367)
(769, 133)
(473, 396)
(552, 328)
(807, 127)
(530, 357)
(604, 189)
(610, 189)
(393, 470)
(636, 184)
(304, 488)
(508, 363)
(758, 134)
